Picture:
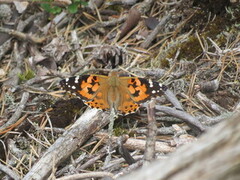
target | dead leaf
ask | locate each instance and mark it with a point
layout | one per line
(134, 17)
(21, 6)
(151, 22)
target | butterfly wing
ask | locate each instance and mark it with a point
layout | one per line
(137, 90)
(141, 90)
(94, 91)
(127, 104)
(88, 88)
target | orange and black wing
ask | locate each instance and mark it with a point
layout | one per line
(87, 88)
(138, 90)
(141, 90)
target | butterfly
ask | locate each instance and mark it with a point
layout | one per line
(122, 94)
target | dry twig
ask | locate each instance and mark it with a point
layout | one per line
(23, 36)
(9, 172)
(149, 154)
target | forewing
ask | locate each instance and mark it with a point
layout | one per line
(141, 89)
(85, 86)
(88, 88)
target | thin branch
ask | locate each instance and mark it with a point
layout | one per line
(149, 154)
(9, 172)
(155, 32)
(190, 120)
(23, 36)
(88, 175)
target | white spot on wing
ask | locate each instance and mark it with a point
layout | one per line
(67, 79)
(153, 91)
(73, 87)
(76, 79)
(150, 83)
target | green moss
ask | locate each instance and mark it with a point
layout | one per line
(118, 131)
(164, 63)
(207, 27)
(161, 59)
(190, 49)
(28, 74)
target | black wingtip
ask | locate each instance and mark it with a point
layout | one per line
(164, 88)
(62, 82)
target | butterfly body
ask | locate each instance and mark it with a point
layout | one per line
(122, 94)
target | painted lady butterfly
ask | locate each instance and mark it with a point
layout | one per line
(123, 94)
